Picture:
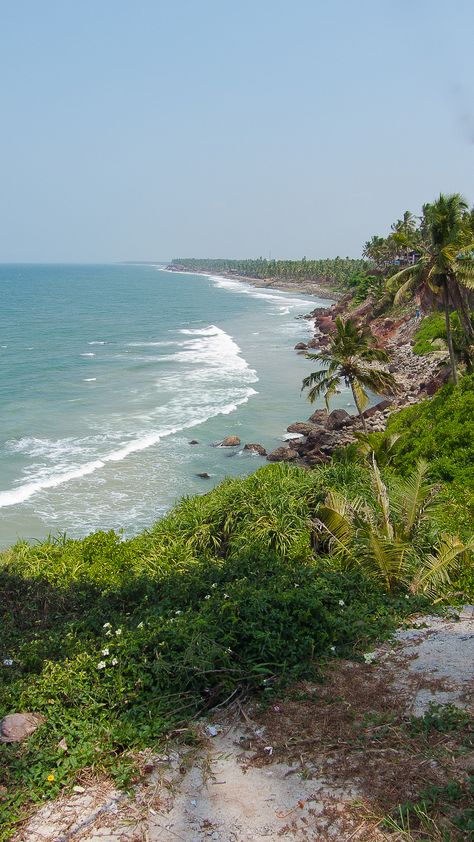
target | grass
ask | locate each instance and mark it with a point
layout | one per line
(117, 643)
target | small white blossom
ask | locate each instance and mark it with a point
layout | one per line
(105, 651)
(333, 648)
(208, 596)
(369, 657)
(407, 596)
(226, 596)
(108, 633)
(107, 626)
(7, 662)
(214, 585)
(118, 632)
(229, 651)
(341, 602)
(114, 662)
(140, 625)
(296, 585)
(101, 665)
(178, 613)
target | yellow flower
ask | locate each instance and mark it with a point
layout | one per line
(51, 778)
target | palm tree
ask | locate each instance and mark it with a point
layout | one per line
(349, 356)
(445, 266)
(394, 540)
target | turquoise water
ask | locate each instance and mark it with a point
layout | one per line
(107, 372)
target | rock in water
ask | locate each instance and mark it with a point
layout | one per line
(18, 726)
(193, 441)
(282, 454)
(301, 346)
(256, 448)
(204, 475)
(230, 441)
(301, 427)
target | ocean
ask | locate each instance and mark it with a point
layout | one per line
(108, 372)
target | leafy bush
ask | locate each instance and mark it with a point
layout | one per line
(440, 430)
(433, 327)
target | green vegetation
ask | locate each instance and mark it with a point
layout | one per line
(336, 271)
(118, 642)
(348, 357)
(441, 431)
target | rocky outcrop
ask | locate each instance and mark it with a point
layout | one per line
(256, 448)
(319, 417)
(193, 441)
(301, 427)
(338, 418)
(16, 727)
(283, 454)
(301, 346)
(230, 441)
(203, 475)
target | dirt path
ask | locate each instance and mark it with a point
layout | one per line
(292, 771)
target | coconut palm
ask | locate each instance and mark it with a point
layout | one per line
(395, 539)
(349, 357)
(445, 266)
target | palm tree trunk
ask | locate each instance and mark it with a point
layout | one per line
(359, 410)
(462, 308)
(449, 337)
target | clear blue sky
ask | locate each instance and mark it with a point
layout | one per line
(147, 129)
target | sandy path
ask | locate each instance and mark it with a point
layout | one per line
(215, 794)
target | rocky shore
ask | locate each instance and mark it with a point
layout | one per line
(418, 378)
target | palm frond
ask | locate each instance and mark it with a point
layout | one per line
(382, 558)
(412, 496)
(436, 569)
(360, 394)
(382, 498)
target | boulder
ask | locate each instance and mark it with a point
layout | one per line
(193, 441)
(256, 448)
(282, 454)
(338, 418)
(204, 475)
(301, 427)
(378, 407)
(326, 324)
(18, 726)
(230, 441)
(301, 346)
(319, 417)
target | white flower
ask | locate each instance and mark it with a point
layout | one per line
(341, 602)
(178, 613)
(369, 657)
(7, 662)
(105, 651)
(101, 665)
(140, 625)
(114, 662)
(296, 585)
(107, 626)
(229, 651)
(333, 648)
(118, 632)
(407, 596)
(208, 596)
(108, 633)
(214, 585)
(226, 596)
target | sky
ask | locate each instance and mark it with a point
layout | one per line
(152, 129)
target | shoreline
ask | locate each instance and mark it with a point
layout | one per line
(277, 284)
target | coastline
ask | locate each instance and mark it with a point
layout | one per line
(277, 284)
